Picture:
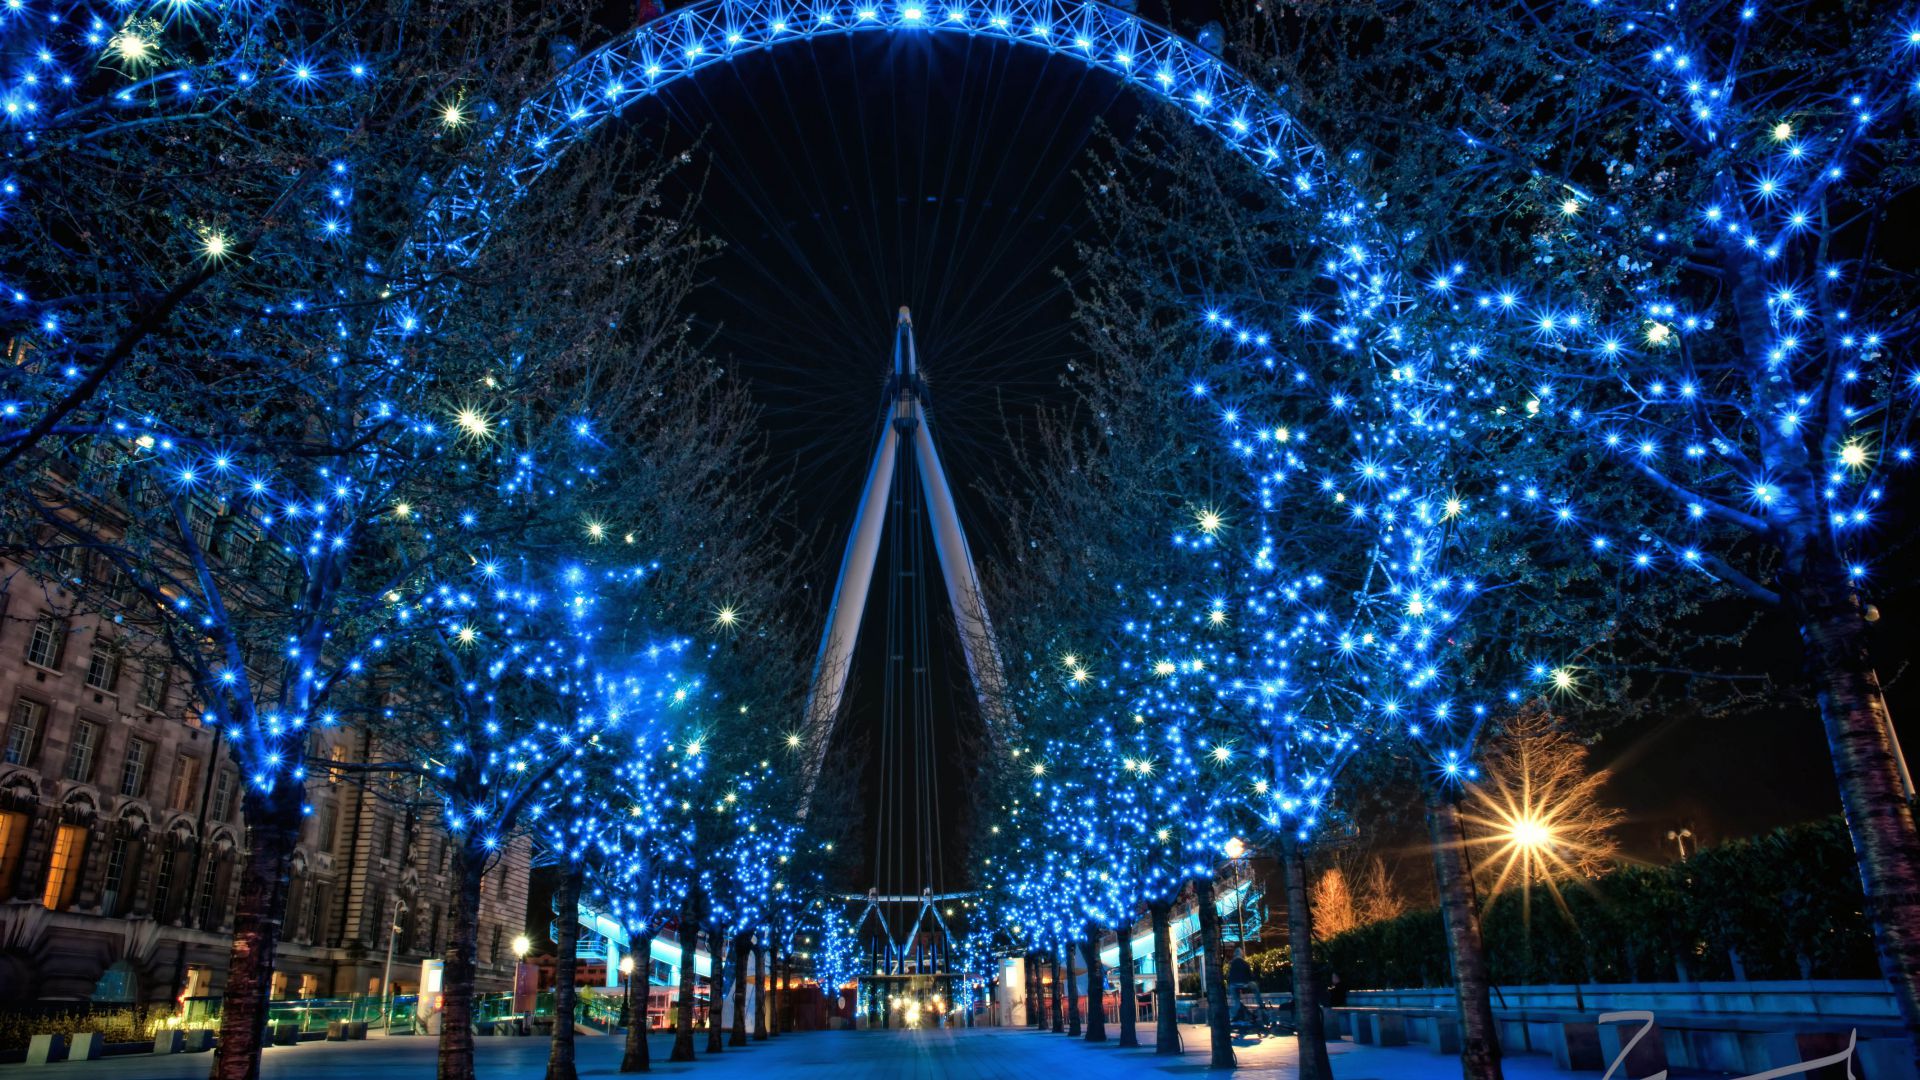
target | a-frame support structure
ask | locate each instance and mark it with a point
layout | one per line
(904, 417)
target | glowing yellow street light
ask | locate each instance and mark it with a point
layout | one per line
(1530, 833)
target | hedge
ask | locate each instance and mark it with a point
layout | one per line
(1785, 905)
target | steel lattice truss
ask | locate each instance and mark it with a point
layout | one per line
(926, 916)
(678, 45)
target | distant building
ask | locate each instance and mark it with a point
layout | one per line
(120, 834)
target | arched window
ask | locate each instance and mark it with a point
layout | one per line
(119, 983)
(173, 868)
(67, 858)
(216, 879)
(126, 847)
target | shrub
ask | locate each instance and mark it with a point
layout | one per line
(1785, 905)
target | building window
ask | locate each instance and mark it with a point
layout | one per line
(336, 753)
(118, 585)
(72, 562)
(23, 730)
(163, 885)
(86, 739)
(153, 685)
(103, 669)
(13, 843)
(209, 877)
(43, 647)
(386, 838)
(239, 545)
(222, 795)
(200, 519)
(329, 818)
(186, 778)
(493, 953)
(116, 876)
(133, 770)
(63, 870)
(316, 909)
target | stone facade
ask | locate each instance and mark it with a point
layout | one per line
(121, 831)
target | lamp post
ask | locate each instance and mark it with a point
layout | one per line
(1237, 851)
(626, 974)
(386, 979)
(1680, 838)
(525, 992)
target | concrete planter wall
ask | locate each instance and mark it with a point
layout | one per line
(1852, 998)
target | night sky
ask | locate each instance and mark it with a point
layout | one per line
(853, 174)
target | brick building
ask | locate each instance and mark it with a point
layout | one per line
(120, 834)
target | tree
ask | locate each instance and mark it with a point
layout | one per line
(1537, 813)
(1662, 234)
(1344, 901)
(248, 444)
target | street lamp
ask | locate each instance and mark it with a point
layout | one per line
(386, 980)
(1680, 838)
(1236, 850)
(525, 986)
(1530, 834)
(626, 974)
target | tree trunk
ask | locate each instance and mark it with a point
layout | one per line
(1035, 1014)
(741, 943)
(1853, 708)
(1058, 1024)
(1096, 987)
(1129, 1004)
(683, 1023)
(772, 988)
(274, 829)
(764, 984)
(716, 985)
(566, 910)
(638, 1057)
(1309, 1020)
(1073, 998)
(1213, 976)
(1166, 988)
(1460, 914)
(456, 981)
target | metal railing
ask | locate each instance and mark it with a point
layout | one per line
(596, 1006)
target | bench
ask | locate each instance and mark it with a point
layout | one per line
(87, 1046)
(1737, 1043)
(44, 1049)
(1395, 1026)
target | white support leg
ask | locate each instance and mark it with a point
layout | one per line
(963, 583)
(831, 668)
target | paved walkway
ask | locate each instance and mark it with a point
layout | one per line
(977, 1054)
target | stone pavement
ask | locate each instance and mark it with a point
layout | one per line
(977, 1054)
